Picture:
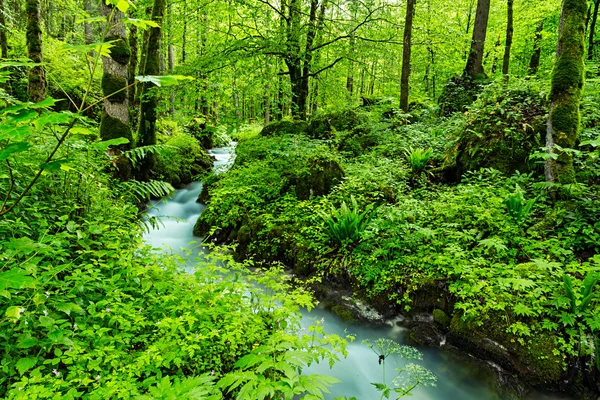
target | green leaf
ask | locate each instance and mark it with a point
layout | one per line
(141, 23)
(91, 20)
(103, 146)
(26, 342)
(15, 278)
(25, 364)
(101, 47)
(82, 130)
(54, 166)
(165, 80)
(13, 313)
(13, 148)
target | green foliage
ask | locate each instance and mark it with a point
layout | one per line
(418, 159)
(345, 225)
(517, 206)
(179, 158)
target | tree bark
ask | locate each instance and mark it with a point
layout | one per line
(592, 30)
(184, 33)
(565, 94)
(509, 38)
(115, 118)
(149, 100)
(534, 62)
(133, 64)
(407, 47)
(37, 75)
(3, 39)
(474, 67)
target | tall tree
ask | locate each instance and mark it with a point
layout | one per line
(509, 37)
(565, 94)
(407, 47)
(534, 62)
(149, 100)
(3, 39)
(593, 30)
(37, 75)
(474, 67)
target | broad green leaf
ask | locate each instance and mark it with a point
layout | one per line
(141, 23)
(28, 64)
(12, 149)
(91, 20)
(101, 47)
(15, 133)
(15, 278)
(107, 143)
(25, 364)
(165, 80)
(26, 342)
(594, 143)
(54, 166)
(13, 313)
(82, 130)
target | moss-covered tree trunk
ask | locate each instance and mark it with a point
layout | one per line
(149, 100)
(3, 40)
(407, 47)
(474, 67)
(565, 94)
(591, 42)
(115, 118)
(37, 75)
(509, 37)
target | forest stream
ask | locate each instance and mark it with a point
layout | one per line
(458, 375)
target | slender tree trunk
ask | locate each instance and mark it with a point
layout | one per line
(133, 64)
(407, 47)
(184, 34)
(592, 30)
(171, 57)
(565, 94)
(115, 118)
(37, 75)
(147, 123)
(474, 67)
(534, 62)
(509, 38)
(3, 39)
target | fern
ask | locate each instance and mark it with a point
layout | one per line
(345, 225)
(518, 208)
(137, 154)
(144, 191)
(418, 158)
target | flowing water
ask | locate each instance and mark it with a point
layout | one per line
(458, 377)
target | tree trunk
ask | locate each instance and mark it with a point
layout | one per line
(133, 64)
(407, 47)
(565, 94)
(115, 118)
(509, 38)
(184, 34)
(534, 62)
(37, 75)
(3, 39)
(592, 30)
(149, 100)
(474, 67)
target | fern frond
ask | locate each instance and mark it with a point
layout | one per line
(137, 154)
(144, 191)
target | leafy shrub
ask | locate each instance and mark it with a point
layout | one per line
(180, 160)
(345, 225)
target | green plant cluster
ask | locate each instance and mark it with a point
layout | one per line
(490, 251)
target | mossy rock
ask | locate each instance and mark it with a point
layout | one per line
(324, 125)
(343, 313)
(441, 318)
(318, 178)
(458, 94)
(504, 127)
(284, 127)
(113, 128)
(198, 128)
(534, 360)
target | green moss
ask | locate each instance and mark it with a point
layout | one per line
(318, 180)
(343, 313)
(112, 128)
(120, 52)
(441, 318)
(324, 125)
(284, 127)
(114, 85)
(458, 94)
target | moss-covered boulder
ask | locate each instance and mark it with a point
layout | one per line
(317, 177)
(199, 128)
(535, 359)
(504, 127)
(324, 125)
(458, 94)
(181, 160)
(284, 127)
